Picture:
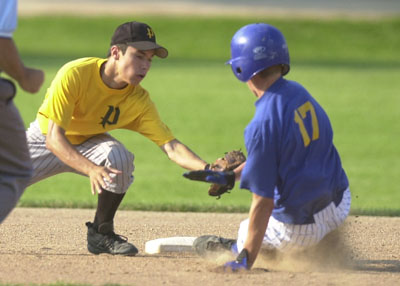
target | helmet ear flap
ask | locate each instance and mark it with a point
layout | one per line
(244, 68)
(240, 68)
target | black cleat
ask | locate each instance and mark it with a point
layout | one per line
(104, 240)
(210, 243)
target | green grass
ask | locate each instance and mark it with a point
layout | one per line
(351, 67)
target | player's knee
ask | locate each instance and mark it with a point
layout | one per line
(121, 159)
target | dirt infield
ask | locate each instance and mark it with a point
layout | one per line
(49, 245)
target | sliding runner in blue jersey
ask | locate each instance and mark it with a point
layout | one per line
(300, 190)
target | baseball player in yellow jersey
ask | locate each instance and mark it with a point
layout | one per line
(89, 97)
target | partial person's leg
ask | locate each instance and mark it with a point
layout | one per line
(45, 163)
(101, 150)
(281, 236)
(106, 151)
(15, 164)
(289, 237)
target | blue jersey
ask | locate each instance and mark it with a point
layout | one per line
(290, 154)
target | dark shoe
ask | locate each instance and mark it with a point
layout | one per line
(103, 240)
(210, 243)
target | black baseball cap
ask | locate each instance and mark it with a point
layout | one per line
(138, 35)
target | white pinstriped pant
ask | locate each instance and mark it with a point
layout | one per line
(287, 237)
(103, 150)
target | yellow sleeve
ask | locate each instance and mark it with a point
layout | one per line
(149, 124)
(60, 99)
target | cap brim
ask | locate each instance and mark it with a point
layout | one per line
(145, 46)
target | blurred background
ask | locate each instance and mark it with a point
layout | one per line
(346, 53)
(320, 8)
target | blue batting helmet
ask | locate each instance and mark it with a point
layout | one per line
(256, 47)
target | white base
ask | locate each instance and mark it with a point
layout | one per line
(170, 244)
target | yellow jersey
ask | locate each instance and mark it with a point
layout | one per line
(84, 106)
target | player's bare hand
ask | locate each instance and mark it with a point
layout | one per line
(32, 80)
(99, 176)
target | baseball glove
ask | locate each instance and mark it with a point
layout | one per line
(229, 162)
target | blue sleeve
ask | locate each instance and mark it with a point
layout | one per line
(261, 170)
(8, 18)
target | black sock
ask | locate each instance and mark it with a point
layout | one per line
(107, 206)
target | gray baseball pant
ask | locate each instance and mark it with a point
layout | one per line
(15, 163)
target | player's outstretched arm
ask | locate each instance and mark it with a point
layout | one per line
(183, 156)
(260, 211)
